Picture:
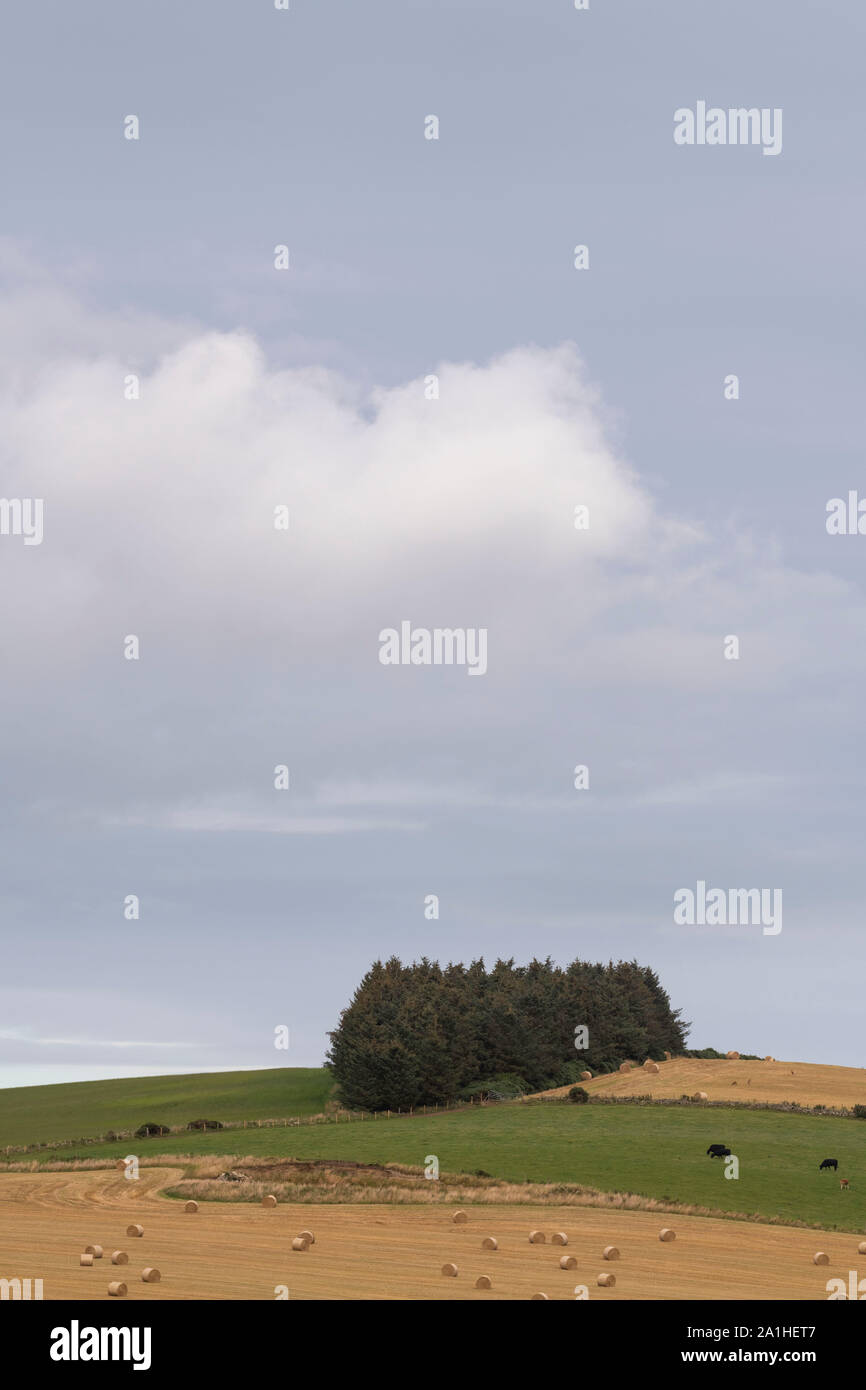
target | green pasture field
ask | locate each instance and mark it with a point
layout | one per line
(82, 1109)
(656, 1152)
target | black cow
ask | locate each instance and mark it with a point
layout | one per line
(718, 1151)
(828, 1163)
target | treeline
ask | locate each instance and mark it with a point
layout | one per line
(709, 1054)
(424, 1034)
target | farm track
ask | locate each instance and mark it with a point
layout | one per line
(234, 1251)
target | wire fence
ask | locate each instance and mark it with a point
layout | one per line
(113, 1136)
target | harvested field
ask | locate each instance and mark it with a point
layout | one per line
(239, 1251)
(804, 1082)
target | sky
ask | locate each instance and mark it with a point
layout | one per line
(430, 388)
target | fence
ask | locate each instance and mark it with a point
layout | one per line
(338, 1117)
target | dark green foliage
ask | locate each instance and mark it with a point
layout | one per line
(578, 1095)
(422, 1034)
(709, 1054)
(566, 1075)
(860, 1112)
(506, 1086)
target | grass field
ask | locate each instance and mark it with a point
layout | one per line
(43, 1114)
(656, 1152)
(229, 1251)
(804, 1082)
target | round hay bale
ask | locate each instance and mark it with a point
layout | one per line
(135, 1230)
(94, 1250)
(586, 1076)
(732, 1056)
(769, 1059)
(606, 1281)
(307, 1235)
(819, 1258)
(116, 1289)
(490, 1243)
(667, 1234)
(610, 1252)
(699, 1095)
(150, 1275)
(85, 1260)
(191, 1206)
(861, 1248)
(559, 1238)
(537, 1237)
(119, 1257)
(484, 1282)
(667, 1056)
(459, 1218)
(269, 1201)
(626, 1066)
(651, 1067)
(450, 1271)
(540, 1296)
(300, 1243)
(567, 1262)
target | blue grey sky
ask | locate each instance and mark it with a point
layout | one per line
(306, 387)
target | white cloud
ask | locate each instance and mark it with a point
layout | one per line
(260, 646)
(20, 1036)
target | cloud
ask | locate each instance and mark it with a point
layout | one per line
(237, 818)
(18, 1036)
(260, 646)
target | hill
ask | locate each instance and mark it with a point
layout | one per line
(80, 1109)
(656, 1152)
(805, 1082)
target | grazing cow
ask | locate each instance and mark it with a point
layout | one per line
(843, 1183)
(829, 1163)
(718, 1151)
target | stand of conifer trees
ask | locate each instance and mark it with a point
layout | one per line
(420, 1034)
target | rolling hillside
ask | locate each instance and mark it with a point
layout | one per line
(804, 1082)
(654, 1152)
(80, 1109)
